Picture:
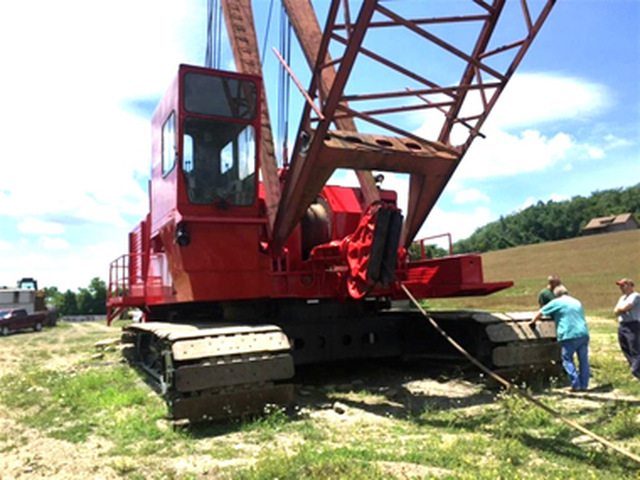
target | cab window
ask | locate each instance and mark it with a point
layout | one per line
(169, 144)
(218, 163)
(220, 96)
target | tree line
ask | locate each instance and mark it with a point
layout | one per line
(87, 301)
(549, 221)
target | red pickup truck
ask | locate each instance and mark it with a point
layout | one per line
(18, 319)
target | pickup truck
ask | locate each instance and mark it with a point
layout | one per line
(18, 319)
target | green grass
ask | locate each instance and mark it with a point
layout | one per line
(588, 266)
(510, 440)
(69, 404)
(310, 461)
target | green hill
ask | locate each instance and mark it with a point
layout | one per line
(588, 266)
(550, 221)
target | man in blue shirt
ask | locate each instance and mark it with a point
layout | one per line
(572, 333)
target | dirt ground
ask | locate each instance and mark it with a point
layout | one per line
(391, 389)
(40, 456)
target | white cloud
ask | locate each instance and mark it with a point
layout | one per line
(508, 154)
(49, 243)
(612, 141)
(596, 152)
(529, 101)
(35, 226)
(514, 140)
(81, 159)
(73, 156)
(460, 225)
(52, 264)
(536, 98)
(556, 197)
(470, 195)
(344, 178)
(527, 203)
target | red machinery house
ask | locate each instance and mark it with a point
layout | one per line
(206, 238)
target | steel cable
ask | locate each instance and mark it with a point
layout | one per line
(266, 33)
(511, 387)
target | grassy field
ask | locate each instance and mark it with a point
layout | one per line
(68, 412)
(588, 266)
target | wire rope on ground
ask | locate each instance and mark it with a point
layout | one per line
(511, 387)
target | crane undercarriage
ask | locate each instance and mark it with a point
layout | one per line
(224, 369)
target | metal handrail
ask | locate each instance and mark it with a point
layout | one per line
(440, 235)
(120, 275)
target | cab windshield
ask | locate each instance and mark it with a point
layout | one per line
(219, 162)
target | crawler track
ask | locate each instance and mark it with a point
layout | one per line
(505, 342)
(209, 372)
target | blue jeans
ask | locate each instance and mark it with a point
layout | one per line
(579, 380)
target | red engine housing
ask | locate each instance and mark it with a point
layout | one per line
(206, 238)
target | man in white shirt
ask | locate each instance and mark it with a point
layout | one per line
(628, 312)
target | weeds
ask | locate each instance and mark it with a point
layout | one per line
(519, 416)
(506, 438)
(622, 420)
(310, 462)
(73, 404)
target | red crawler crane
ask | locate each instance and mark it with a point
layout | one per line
(242, 269)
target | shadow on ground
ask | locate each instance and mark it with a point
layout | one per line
(405, 387)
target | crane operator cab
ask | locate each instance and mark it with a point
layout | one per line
(218, 155)
(206, 219)
(209, 125)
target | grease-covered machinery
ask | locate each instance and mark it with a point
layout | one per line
(244, 269)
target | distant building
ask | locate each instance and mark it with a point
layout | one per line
(612, 223)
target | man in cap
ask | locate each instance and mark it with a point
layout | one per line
(546, 294)
(628, 312)
(573, 334)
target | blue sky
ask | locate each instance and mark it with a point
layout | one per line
(81, 79)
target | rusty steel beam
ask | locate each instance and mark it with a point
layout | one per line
(304, 93)
(382, 152)
(413, 93)
(394, 66)
(467, 76)
(386, 111)
(242, 35)
(306, 178)
(441, 43)
(526, 43)
(423, 21)
(423, 191)
(392, 128)
(316, 155)
(305, 24)
(423, 194)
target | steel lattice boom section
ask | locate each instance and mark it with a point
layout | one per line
(238, 14)
(456, 109)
